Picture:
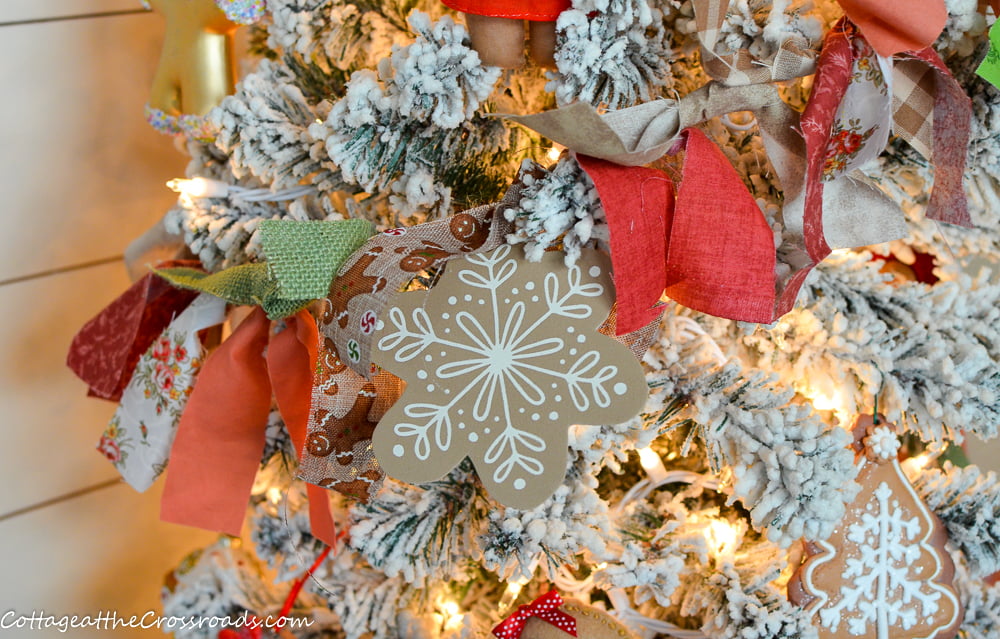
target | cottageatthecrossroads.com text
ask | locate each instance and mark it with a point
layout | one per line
(112, 620)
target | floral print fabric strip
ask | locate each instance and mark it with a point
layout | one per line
(139, 437)
(864, 117)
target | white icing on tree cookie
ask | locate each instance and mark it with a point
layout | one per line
(884, 573)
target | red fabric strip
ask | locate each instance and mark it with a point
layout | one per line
(107, 348)
(537, 10)
(639, 206)
(220, 438)
(720, 254)
(833, 74)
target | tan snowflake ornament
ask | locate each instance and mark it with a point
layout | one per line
(500, 358)
(884, 573)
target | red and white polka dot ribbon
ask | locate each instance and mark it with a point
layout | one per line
(545, 608)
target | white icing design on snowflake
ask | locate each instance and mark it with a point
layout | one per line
(500, 358)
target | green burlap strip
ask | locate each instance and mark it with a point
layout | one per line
(304, 256)
(247, 284)
(302, 259)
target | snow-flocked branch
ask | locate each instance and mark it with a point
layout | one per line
(968, 502)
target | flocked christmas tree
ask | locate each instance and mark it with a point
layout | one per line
(771, 133)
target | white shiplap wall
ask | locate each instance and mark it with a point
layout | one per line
(82, 174)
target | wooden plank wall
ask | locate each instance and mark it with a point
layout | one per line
(82, 175)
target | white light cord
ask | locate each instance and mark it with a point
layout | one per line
(685, 329)
(642, 489)
(633, 619)
(205, 188)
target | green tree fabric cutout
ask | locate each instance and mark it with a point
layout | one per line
(989, 69)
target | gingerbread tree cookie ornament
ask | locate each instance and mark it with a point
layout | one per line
(884, 573)
(500, 358)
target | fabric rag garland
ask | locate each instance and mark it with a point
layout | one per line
(822, 210)
(220, 437)
(930, 111)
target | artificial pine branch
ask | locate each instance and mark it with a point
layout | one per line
(792, 472)
(423, 114)
(858, 335)
(981, 602)
(422, 533)
(265, 129)
(573, 521)
(558, 207)
(612, 54)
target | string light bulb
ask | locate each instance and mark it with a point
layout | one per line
(452, 614)
(829, 400)
(511, 593)
(915, 465)
(832, 401)
(199, 187)
(274, 495)
(652, 464)
(721, 536)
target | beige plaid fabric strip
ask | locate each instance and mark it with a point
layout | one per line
(709, 16)
(943, 134)
(739, 68)
(913, 90)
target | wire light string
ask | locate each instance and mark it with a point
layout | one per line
(200, 187)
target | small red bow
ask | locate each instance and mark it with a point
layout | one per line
(545, 608)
